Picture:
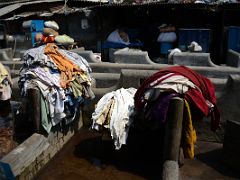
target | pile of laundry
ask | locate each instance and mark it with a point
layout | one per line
(6, 122)
(113, 112)
(146, 108)
(63, 79)
(153, 96)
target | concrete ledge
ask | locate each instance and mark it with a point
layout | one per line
(88, 55)
(229, 102)
(131, 56)
(233, 58)
(25, 154)
(6, 54)
(27, 159)
(192, 59)
(133, 78)
(104, 80)
(231, 145)
(211, 72)
(13, 65)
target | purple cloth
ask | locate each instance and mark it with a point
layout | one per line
(157, 110)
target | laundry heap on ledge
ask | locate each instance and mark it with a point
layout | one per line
(62, 77)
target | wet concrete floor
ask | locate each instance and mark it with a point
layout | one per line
(87, 157)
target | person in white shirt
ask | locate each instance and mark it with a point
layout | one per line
(118, 36)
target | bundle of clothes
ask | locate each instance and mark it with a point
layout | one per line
(63, 79)
(6, 122)
(117, 110)
(113, 112)
(50, 35)
(153, 97)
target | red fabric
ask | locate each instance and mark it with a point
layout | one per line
(194, 96)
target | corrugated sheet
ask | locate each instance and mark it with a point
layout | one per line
(12, 7)
(9, 2)
(97, 1)
(7, 9)
(47, 13)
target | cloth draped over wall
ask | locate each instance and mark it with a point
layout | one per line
(152, 97)
(113, 112)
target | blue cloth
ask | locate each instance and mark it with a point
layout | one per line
(6, 172)
(72, 103)
(107, 44)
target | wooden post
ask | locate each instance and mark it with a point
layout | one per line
(34, 108)
(173, 130)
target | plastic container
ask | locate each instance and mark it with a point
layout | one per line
(233, 38)
(37, 25)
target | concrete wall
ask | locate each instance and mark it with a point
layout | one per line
(233, 58)
(231, 145)
(27, 159)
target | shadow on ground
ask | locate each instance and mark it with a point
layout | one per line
(141, 156)
(215, 161)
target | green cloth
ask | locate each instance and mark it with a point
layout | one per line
(76, 88)
(47, 125)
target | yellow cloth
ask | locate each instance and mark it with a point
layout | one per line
(107, 122)
(189, 136)
(104, 118)
(3, 73)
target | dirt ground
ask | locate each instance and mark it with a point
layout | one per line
(87, 157)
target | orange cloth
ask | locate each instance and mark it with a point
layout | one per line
(48, 39)
(67, 68)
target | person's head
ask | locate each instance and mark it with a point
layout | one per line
(122, 33)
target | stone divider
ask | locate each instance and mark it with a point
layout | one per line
(233, 58)
(27, 159)
(192, 59)
(231, 145)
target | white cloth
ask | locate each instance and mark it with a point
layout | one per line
(167, 37)
(48, 78)
(170, 82)
(51, 24)
(120, 120)
(5, 83)
(5, 92)
(171, 54)
(101, 105)
(54, 97)
(178, 83)
(115, 37)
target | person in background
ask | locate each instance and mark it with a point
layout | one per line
(167, 33)
(119, 36)
(166, 38)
